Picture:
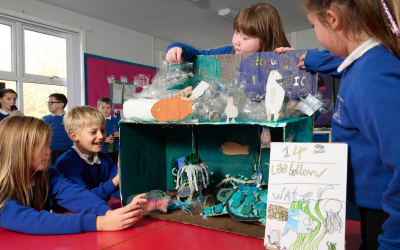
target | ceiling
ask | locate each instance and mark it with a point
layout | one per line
(192, 22)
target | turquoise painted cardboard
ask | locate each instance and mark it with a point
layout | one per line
(147, 149)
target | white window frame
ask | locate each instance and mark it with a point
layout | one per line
(13, 71)
(19, 23)
(41, 78)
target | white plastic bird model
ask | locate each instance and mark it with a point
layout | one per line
(274, 95)
(231, 110)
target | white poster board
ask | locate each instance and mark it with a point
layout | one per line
(306, 206)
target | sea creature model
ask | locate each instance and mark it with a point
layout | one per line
(243, 202)
(274, 95)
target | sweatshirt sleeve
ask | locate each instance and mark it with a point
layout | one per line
(71, 170)
(376, 105)
(323, 62)
(189, 51)
(16, 217)
(74, 197)
(114, 172)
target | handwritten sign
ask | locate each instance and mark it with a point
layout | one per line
(306, 206)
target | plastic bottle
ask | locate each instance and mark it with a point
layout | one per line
(110, 148)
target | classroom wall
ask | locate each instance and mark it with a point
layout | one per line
(102, 38)
(305, 39)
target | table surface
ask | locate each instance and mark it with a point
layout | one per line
(151, 234)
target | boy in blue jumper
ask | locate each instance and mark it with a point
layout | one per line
(60, 142)
(104, 104)
(84, 163)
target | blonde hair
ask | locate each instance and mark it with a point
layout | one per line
(80, 117)
(21, 139)
(361, 15)
(263, 21)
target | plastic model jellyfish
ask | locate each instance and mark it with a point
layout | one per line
(193, 168)
(333, 220)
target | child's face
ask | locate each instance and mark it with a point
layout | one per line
(245, 44)
(39, 162)
(105, 109)
(8, 100)
(326, 36)
(55, 104)
(90, 139)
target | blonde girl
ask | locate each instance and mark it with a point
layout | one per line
(257, 28)
(363, 40)
(28, 187)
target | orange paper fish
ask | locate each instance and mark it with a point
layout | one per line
(234, 148)
(172, 109)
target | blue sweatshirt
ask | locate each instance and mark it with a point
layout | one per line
(96, 178)
(111, 127)
(366, 118)
(2, 115)
(86, 205)
(189, 51)
(60, 140)
(323, 62)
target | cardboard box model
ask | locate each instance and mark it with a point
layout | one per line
(147, 148)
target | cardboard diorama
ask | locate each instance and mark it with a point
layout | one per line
(306, 206)
(259, 87)
(208, 175)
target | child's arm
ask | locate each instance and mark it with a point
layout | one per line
(16, 217)
(185, 52)
(322, 62)
(74, 197)
(72, 170)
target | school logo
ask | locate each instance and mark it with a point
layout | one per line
(338, 115)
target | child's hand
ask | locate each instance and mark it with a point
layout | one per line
(109, 139)
(283, 49)
(301, 63)
(139, 200)
(15, 112)
(115, 180)
(174, 55)
(116, 134)
(119, 219)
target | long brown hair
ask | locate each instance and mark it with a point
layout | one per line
(263, 21)
(361, 15)
(21, 139)
(3, 92)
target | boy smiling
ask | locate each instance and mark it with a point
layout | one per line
(85, 164)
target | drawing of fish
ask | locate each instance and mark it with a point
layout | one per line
(299, 222)
(234, 148)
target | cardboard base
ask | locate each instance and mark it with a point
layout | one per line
(223, 223)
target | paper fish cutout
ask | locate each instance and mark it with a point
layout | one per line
(231, 110)
(185, 92)
(155, 204)
(234, 148)
(266, 138)
(199, 90)
(172, 109)
(274, 95)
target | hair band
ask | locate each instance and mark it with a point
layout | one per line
(392, 22)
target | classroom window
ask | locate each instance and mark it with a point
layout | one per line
(45, 54)
(5, 48)
(35, 105)
(10, 84)
(34, 60)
